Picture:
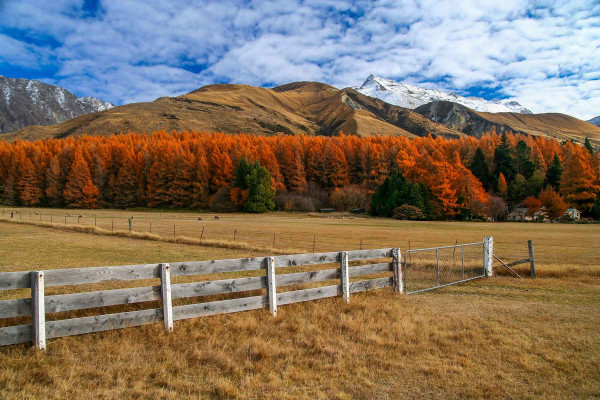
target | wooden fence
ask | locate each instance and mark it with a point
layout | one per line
(38, 304)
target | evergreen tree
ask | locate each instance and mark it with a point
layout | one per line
(554, 173)
(505, 162)
(535, 183)
(479, 168)
(396, 191)
(256, 180)
(596, 209)
(525, 166)
(588, 146)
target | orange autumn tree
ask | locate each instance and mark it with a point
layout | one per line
(80, 191)
(579, 180)
(185, 169)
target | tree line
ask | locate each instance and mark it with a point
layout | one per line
(439, 178)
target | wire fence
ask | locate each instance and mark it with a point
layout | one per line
(431, 268)
(210, 227)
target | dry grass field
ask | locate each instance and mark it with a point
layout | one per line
(491, 338)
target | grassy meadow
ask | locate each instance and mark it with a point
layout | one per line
(491, 338)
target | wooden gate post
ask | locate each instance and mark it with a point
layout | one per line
(531, 258)
(397, 267)
(344, 276)
(167, 303)
(38, 311)
(271, 285)
(488, 255)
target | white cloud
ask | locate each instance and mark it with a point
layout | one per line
(542, 53)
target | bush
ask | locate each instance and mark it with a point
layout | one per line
(348, 198)
(221, 201)
(408, 212)
(496, 208)
(287, 201)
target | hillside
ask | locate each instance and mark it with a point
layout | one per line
(299, 107)
(27, 102)
(306, 108)
(474, 123)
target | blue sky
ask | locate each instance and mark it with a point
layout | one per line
(544, 54)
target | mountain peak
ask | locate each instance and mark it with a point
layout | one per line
(27, 102)
(595, 120)
(412, 96)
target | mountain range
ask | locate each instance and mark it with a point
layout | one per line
(595, 121)
(25, 102)
(313, 108)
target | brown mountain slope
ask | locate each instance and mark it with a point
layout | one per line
(474, 123)
(299, 107)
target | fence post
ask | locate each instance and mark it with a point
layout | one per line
(488, 254)
(344, 276)
(397, 267)
(271, 286)
(167, 303)
(38, 312)
(437, 268)
(531, 258)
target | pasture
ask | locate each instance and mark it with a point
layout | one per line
(491, 338)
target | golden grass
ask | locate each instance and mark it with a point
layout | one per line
(492, 338)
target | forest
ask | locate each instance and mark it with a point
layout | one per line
(419, 178)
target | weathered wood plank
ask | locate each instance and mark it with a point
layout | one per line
(307, 277)
(219, 307)
(369, 284)
(80, 276)
(165, 289)
(15, 280)
(344, 276)
(38, 313)
(298, 296)
(370, 254)
(216, 266)
(80, 301)
(100, 323)
(369, 269)
(15, 334)
(205, 288)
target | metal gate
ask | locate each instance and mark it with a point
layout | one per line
(436, 267)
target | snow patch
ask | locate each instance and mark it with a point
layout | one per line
(412, 96)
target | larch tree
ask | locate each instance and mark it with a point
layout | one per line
(579, 182)
(80, 191)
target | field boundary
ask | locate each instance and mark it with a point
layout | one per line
(38, 305)
(221, 243)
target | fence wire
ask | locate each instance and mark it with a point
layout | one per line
(426, 269)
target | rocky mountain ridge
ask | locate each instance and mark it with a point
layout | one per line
(25, 102)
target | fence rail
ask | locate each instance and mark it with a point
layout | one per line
(38, 305)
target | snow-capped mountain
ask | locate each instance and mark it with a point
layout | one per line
(25, 102)
(411, 96)
(595, 120)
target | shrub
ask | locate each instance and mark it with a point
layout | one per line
(221, 201)
(408, 212)
(347, 198)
